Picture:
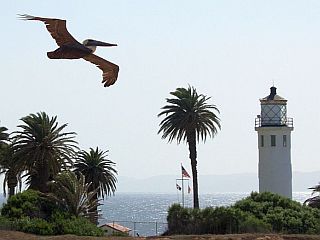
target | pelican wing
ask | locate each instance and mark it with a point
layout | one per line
(109, 69)
(56, 27)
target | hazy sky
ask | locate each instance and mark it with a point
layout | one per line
(229, 50)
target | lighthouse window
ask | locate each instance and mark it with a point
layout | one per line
(273, 140)
(284, 140)
(262, 141)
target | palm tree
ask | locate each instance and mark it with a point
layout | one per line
(73, 194)
(189, 118)
(315, 200)
(12, 172)
(12, 176)
(3, 142)
(98, 170)
(42, 149)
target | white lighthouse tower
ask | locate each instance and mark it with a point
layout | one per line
(274, 143)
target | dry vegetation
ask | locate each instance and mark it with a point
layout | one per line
(13, 235)
(241, 237)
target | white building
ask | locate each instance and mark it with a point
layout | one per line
(115, 229)
(274, 143)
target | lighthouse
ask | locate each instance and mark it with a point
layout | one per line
(274, 144)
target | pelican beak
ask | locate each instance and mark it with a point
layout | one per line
(101, 44)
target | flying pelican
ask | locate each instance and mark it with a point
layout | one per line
(70, 48)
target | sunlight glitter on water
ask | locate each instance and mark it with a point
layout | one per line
(142, 211)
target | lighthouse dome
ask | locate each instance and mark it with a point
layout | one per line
(273, 96)
(273, 109)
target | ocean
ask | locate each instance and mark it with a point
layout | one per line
(145, 213)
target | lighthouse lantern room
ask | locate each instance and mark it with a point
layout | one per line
(274, 144)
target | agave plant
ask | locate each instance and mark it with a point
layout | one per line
(71, 191)
(315, 200)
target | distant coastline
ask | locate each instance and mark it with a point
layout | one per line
(245, 183)
(242, 182)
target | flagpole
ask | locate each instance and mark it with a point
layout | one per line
(177, 191)
(182, 187)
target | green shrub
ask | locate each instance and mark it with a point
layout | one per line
(28, 204)
(5, 223)
(34, 225)
(64, 224)
(21, 205)
(220, 220)
(59, 224)
(254, 225)
(264, 212)
(283, 214)
(178, 219)
(120, 234)
(30, 212)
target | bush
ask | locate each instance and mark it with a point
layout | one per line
(28, 204)
(21, 205)
(34, 225)
(58, 224)
(30, 212)
(75, 225)
(265, 212)
(178, 219)
(5, 223)
(254, 225)
(220, 220)
(120, 234)
(283, 214)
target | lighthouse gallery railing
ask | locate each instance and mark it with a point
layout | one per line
(276, 122)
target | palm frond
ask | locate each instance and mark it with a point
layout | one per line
(42, 148)
(188, 112)
(98, 170)
(3, 135)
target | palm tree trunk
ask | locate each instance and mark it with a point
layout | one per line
(11, 191)
(191, 138)
(12, 182)
(39, 181)
(95, 216)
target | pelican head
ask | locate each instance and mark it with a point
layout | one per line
(92, 44)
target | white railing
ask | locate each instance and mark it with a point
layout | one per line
(273, 122)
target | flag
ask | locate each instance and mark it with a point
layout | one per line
(178, 187)
(189, 189)
(184, 172)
